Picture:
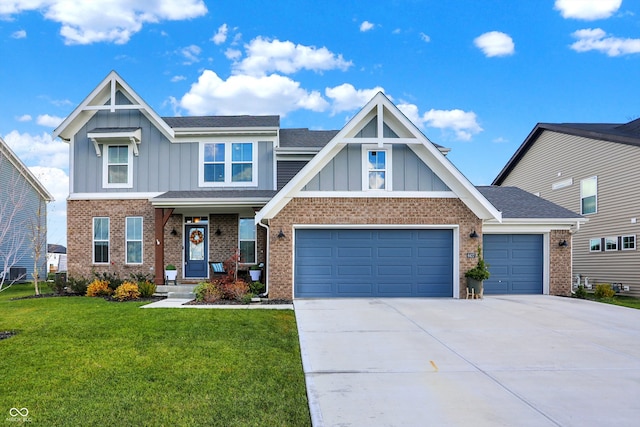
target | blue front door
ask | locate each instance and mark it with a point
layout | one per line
(195, 252)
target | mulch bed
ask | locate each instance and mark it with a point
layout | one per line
(235, 302)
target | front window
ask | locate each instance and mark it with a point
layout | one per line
(117, 167)
(247, 240)
(134, 240)
(230, 164)
(629, 243)
(589, 195)
(100, 240)
(610, 243)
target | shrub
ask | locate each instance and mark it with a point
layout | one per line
(112, 279)
(581, 292)
(127, 291)
(208, 291)
(141, 277)
(78, 286)
(604, 290)
(246, 299)
(58, 284)
(233, 290)
(256, 288)
(146, 288)
(99, 288)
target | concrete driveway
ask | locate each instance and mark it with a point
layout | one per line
(504, 360)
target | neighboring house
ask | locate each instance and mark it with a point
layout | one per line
(56, 258)
(23, 219)
(591, 169)
(374, 209)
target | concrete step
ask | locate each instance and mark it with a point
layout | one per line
(166, 289)
(182, 295)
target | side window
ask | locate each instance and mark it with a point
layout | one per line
(247, 240)
(100, 240)
(610, 243)
(117, 167)
(134, 240)
(595, 245)
(589, 195)
(629, 243)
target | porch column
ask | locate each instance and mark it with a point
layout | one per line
(161, 217)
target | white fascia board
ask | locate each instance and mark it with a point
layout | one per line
(534, 225)
(381, 194)
(113, 196)
(226, 131)
(207, 203)
(8, 153)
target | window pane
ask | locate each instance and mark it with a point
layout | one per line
(589, 187)
(101, 252)
(610, 243)
(118, 174)
(242, 152)
(214, 173)
(589, 205)
(118, 154)
(247, 229)
(247, 251)
(101, 229)
(134, 228)
(376, 180)
(594, 245)
(134, 252)
(377, 160)
(241, 172)
(214, 152)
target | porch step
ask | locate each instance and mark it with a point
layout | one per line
(181, 295)
(176, 291)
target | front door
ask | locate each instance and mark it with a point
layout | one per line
(196, 252)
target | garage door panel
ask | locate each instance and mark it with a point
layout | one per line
(376, 262)
(515, 263)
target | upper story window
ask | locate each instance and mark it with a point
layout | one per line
(611, 243)
(117, 167)
(100, 240)
(228, 164)
(376, 168)
(589, 195)
(595, 245)
(628, 242)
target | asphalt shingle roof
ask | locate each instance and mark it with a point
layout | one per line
(514, 202)
(303, 137)
(217, 194)
(222, 121)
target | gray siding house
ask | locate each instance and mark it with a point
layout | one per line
(372, 209)
(23, 212)
(591, 169)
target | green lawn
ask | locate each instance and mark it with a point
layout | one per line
(87, 361)
(622, 300)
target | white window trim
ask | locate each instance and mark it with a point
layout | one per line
(614, 239)
(93, 240)
(634, 243)
(582, 196)
(126, 240)
(255, 240)
(227, 165)
(599, 244)
(388, 166)
(105, 167)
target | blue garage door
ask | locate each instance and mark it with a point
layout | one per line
(373, 263)
(515, 263)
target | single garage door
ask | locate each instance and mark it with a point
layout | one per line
(373, 263)
(515, 263)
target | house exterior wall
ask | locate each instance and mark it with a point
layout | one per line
(344, 172)
(16, 192)
(364, 211)
(555, 157)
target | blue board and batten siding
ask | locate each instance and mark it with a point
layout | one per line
(344, 172)
(373, 263)
(515, 263)
(160, 166)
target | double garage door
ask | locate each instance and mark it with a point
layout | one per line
(373, 263)
(407, 263)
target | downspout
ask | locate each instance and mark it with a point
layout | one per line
(266, 261)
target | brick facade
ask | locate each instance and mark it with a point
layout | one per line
(560, 275)
(80, 214)
(369, 211)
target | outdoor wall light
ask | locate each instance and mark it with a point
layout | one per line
(473, 234)
(174, 232)
(563, 243)
(218, 232)
(281, 234)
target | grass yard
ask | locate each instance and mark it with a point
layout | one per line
(87, 361)
(622, 300)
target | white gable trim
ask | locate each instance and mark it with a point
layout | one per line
(95, 101)
(409, 134)
(8, 153)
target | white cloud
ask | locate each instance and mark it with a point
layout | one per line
(587, 10)
(366, 26)
(242, 94)
(264, 56)
(39, 150)
(176, 79)
(221, 35)
(50, 121)
(347, 98)
(495, 43)
(233, 54)
(24, 118)
(464, 124)
(425, 38)
(598, 40)
(86, 22)
(191, 54)
(20, 34)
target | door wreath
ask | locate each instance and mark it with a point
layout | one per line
(196, 237)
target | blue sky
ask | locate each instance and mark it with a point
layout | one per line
(475, 76)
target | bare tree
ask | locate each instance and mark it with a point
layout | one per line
(38, 235)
